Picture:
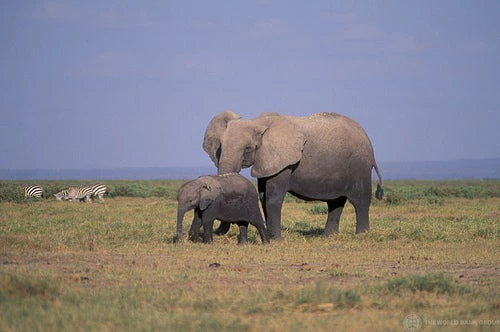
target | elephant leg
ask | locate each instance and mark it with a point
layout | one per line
(258, 222)
(361, 201)
(335, 208)
(274, 195)
(262, 232)
(243, 236)
(208, 224)
(223, 228)
(195, 228)
(261, 187)
(362, 217)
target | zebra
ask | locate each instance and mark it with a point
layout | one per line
(99, 190)
(75, 193)
(34, 191)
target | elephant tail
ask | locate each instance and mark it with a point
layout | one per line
(379, 193)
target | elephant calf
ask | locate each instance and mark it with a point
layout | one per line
(230, 198)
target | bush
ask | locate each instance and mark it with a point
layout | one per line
(393, 198)
(10, 193)
(318, 209)
(143, 190)
(131, 190)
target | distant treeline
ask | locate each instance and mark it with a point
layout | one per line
(396, 192)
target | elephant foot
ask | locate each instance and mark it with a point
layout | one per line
(195, 238)
(362, 230)
(276, 238)
(362, 219)
(329, 233)
(264, 238)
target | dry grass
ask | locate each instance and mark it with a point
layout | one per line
(114, 267)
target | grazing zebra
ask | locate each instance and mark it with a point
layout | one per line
(75, 193)
(99, 190)
(33, 191)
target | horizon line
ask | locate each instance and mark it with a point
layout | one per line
(210, 166)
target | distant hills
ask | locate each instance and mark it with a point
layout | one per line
(422, 170)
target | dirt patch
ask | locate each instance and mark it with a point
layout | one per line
(111, 269)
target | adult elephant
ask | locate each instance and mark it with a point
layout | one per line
(324, 156)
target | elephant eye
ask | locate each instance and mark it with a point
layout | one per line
(248, 148)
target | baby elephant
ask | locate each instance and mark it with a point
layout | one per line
(230, 198)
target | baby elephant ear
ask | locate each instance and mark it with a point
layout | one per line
(281, 147)
(208, 194)
(213, 134)
(205, 203)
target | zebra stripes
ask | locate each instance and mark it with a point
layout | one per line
(99, 190)
(83, 193)
(75, 193)
(33, 191)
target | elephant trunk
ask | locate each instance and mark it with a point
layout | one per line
(229, 165)
(180, 217)
(226, 170)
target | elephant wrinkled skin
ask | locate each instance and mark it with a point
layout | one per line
(324, 156)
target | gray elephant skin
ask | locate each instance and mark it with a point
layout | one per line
(325, 156)
(230, 198)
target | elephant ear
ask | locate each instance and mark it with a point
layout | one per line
(209, 192)
(281, 147)
(213, 134)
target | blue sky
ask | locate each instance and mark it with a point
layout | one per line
(98, 84)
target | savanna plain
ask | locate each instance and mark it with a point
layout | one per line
(430, 262)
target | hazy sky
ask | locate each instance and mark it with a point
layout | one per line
(100, 84)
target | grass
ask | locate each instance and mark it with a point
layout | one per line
(13, 191)
(114, 266)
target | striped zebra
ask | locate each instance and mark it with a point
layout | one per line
(75, 193)
(99, 190)
(33, 191)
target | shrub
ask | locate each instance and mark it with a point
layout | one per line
(393, 198)
(318, 209)
(10, 193)
(433, 200)
(130, 190)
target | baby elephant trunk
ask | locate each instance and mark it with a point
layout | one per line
(180, 217)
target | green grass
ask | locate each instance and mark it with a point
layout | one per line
(113, 266)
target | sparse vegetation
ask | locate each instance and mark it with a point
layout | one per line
(319, 209)
(114, 266)
(438, 283)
